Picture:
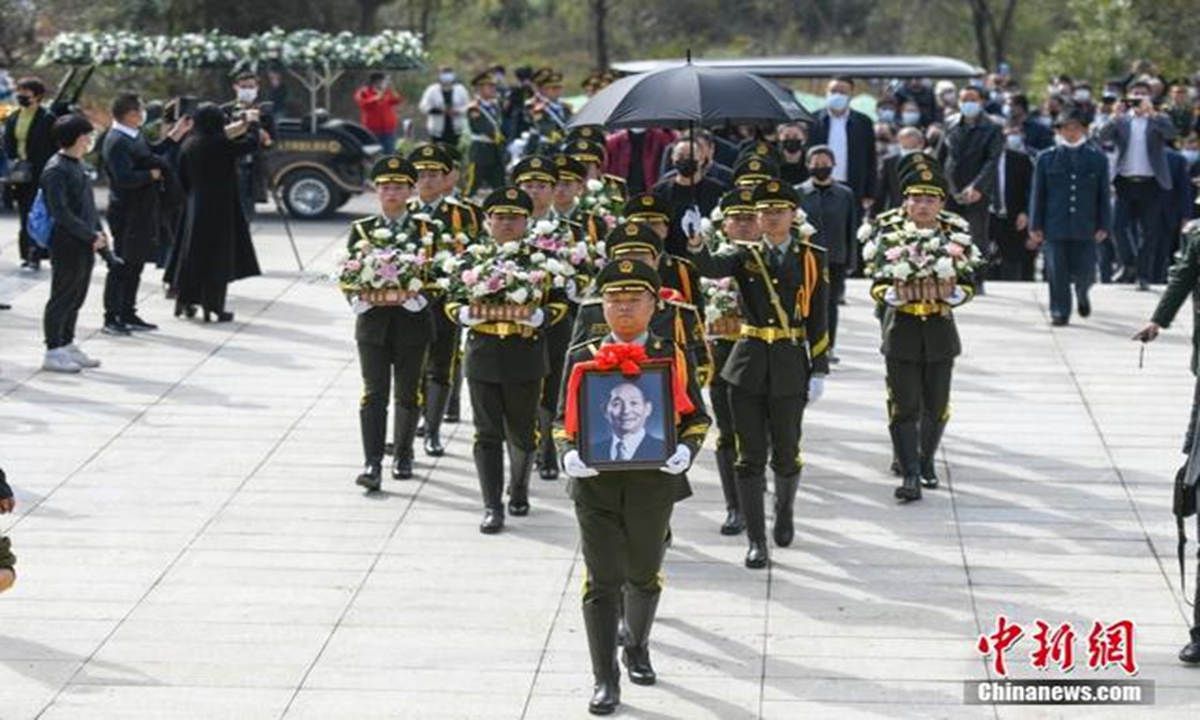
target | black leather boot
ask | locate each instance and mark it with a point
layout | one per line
(402, 449)
(1190, 653)
(750, 498)
(640, 609)
(489, 464)
(547, 457)
(435, 409)
(372, 424)
(520, 468)
(905, 441)
(734, 523)
(785, 502)
(931, 438)
(454, 404)
(600, 621)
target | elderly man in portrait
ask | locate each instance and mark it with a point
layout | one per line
(626, 412)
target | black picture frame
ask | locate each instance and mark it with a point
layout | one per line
(595, 430)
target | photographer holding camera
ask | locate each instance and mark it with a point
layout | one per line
(1139, 134)
(243, 112)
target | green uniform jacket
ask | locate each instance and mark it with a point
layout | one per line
(680, 274)
(1182, 282)
(932, 338)
(783, 367)
(636, 488)
(372, 326)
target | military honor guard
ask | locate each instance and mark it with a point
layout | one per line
(435, 183)
(676, 272)
(547, 114)
(920, 338)
(487, 153)
(642, 434)
(392, 338)
(505, 367)
(586, 144)
(779, 363)
(566, 209)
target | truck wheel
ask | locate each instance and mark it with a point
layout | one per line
(309, 195)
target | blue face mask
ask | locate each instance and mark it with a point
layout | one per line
(1191, 155)
(887, 115)
(970, 109)
(910, 117)
(1015, 142)
(837, 101)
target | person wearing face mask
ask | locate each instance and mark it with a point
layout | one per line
(444, 104)
(851, 136)
(891, 194)
(969, 153)
(1180, 108)
(136, 173)
(792, 169)
(1083, 101)
(1140, 134)
(1037, 137)
(1009, 222)
(689, 195)
(252, 174)
(885, 111)
(918, 92)
(830, 208)
(28, 145)
(1069, 213)
(910, 115)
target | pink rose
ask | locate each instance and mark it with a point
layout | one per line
(955, 251)
(894, 253)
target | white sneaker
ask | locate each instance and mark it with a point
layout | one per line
(59, 360)
(80, 357)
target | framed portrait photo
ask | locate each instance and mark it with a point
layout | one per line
(626, 423)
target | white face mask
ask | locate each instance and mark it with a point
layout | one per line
(446, 78)
(247, 95)
(1062, 141)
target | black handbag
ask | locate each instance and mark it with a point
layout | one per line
(20, 172)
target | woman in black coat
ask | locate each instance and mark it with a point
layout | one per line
(215, 248)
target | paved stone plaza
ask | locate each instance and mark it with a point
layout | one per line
(191, 543)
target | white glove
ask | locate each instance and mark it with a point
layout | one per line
(958, 297)
(816, 388)
(573, 466)
(535, 320)
(360, 306)
(690, 222)
(678, 463)
(464, 317)
(892, 298)
(416, 303)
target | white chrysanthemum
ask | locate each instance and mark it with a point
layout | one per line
(865, 230)
(519, 295)
(544, 227)
(594, 185)
(807, 230)
(381, 234)
(869, 250)
(944, 268)
(901, 271)
(414, 285)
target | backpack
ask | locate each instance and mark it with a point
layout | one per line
(40, 223)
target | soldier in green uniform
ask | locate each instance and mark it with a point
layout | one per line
(673, 318)
(920, 339)
(8, 561)
(588, 148)
(779, 363)
(486, 156)
(1184, 282)
(547, 114)
(566, 207)
(623, 515)
(435, 178)
(506, 365)
(753, 170)
(676, 272)
(392, 340)
(739, 224)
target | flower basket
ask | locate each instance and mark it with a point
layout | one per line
(385, 296)
(501, 313)
(725, 326)
(925, 289)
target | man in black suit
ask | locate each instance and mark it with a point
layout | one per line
(1009, 221)
(851, 135)
(627, 411)
(911, 140)
(135, 177)
(969, 153)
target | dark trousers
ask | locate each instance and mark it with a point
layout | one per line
(70, 275)
(978, 216)
(1189, 441)
(767, 424)
(213, 294)
(121, 289)
(24, 195)
(1141, 205)
(443, 353)
(247, 177)
(719, 395)
(380, 366)
(918, 408)
(1015, 261)
(837, 290)
(1069, 262)
(505, 412)
(622, 549)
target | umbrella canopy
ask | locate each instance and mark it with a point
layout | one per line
(822, 66)
(687, 96)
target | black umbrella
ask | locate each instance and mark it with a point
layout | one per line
(690, 96)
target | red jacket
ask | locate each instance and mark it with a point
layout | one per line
(657, 140)
(377, 111)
